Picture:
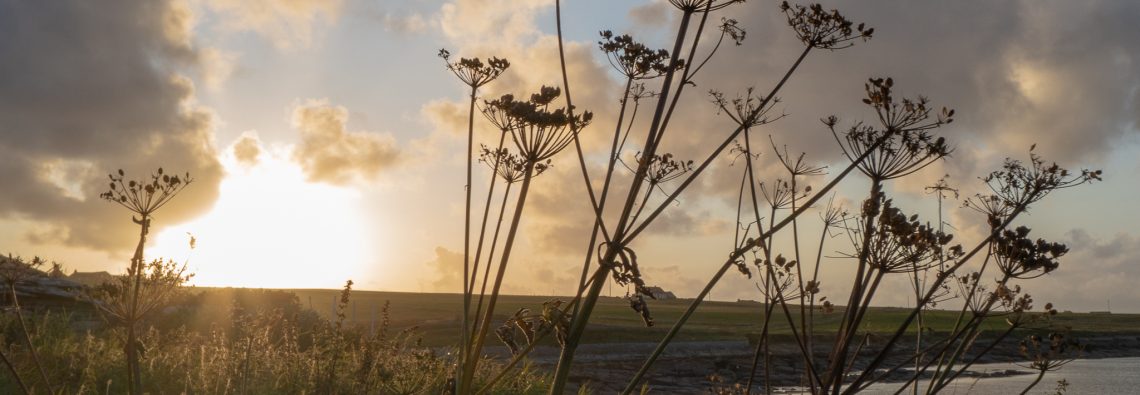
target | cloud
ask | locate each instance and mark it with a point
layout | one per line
(1096, 270)
(328, 152)
(446, 271)
(652, 14)
(247, 149)
(471, 23)
(217, 67)
(99, 88)
(288, 24)
(411, 23)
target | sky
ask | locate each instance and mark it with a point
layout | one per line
(326, 139)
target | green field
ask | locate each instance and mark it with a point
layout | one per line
(437, 315)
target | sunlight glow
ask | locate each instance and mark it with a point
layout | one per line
(271, 228)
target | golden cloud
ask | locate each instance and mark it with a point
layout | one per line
(329, 153)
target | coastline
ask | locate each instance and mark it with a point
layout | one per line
(697, 366)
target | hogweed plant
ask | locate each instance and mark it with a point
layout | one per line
(475, 74)
(900, 140)
(132, 300)
(539, 131)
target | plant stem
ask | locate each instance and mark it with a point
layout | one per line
(930, 293)
(579, 320)
(484, 326)
(847, 327)
(491, 254)
(1035, 381)
(708, 161)
(464, 357)
(483, 231)
(134, 370)
(729, 262)
(614, 152)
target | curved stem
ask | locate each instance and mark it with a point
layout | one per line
(1035, 381)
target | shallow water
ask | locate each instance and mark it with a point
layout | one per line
(1085, 376)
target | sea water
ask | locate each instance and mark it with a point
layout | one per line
(1085, 376)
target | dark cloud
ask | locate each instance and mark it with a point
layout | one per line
(328, 152)
(90, 88)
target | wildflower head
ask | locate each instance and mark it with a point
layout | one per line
(1018, 256)
(818, 28)
(748, 110)
(796, 167)
(472, 71)
(779, 194)
(497, 112)
(902, 244)
(1049, 352)
(633, 59)
(664, 168)
(1019, 185)
(702, 5)
(539, 132)
(510, 167)
(144, 197)
(904, 142)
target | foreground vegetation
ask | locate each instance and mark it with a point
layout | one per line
(235, 342)
(252, 341)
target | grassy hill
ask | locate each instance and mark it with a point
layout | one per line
(436, 316)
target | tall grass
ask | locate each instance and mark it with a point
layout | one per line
(264, 345)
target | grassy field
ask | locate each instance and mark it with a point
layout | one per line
(437, 315)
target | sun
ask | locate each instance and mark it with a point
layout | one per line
(271, 228)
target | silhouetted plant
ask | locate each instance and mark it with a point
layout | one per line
(1046, 354)
(474, 73)
(900, 142)
(539, 133)
(142, 198)
(823, 29)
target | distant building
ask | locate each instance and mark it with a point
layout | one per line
(661, 294)
(91, 279)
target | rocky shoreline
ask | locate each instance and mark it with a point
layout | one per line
(698, 367)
